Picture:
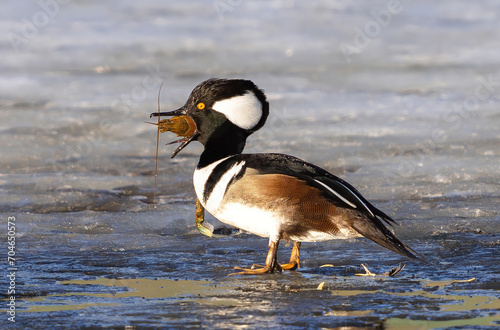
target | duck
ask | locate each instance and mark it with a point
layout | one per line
(272, 195)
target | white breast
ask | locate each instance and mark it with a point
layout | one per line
(200, 177)
(268, 223)
(264, 223)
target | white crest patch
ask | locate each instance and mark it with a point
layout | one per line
(244, 111)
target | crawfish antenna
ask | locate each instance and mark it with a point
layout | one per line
(157, 144)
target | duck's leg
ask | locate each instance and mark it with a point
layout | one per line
(200, 217)
(294, 258)
(271, 263)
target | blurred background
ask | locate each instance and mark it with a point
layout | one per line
(400, 98)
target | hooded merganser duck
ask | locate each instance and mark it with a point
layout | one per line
(271, 195)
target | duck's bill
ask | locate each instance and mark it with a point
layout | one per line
(180, 124)
(177, 112)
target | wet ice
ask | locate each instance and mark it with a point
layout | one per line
(412, 122)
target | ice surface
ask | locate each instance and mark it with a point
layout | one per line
(409, 117)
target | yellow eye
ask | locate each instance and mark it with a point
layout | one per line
(201, 106)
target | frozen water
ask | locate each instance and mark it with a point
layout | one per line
(398, 98)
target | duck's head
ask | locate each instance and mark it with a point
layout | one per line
(217, 109)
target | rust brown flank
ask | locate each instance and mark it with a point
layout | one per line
(302, 206)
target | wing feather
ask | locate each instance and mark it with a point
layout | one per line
(339, 192)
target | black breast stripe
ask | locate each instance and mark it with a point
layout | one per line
(217, 174)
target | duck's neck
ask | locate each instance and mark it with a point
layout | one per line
(219, 148)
